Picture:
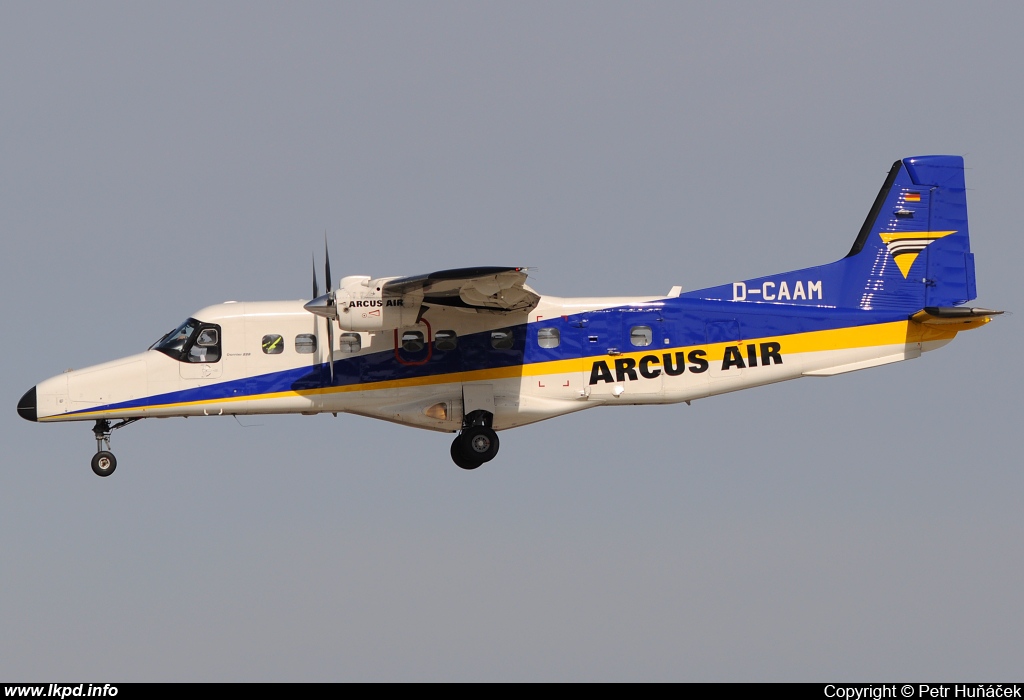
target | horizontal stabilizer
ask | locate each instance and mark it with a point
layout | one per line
(971, 317)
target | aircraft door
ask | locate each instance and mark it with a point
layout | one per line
(622, 354)
(201, 357)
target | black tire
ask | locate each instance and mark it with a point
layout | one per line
(479, 444)
(103, 463)
(459, 458)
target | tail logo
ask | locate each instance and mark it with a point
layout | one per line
(905, 247)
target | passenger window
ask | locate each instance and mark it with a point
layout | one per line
(548, 337)
(445, 340)
(273, 344)
(641, 336)
(305, 344)
(412, 341)
(349, 343)
(502, 339)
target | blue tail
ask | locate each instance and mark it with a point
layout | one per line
(913, 250)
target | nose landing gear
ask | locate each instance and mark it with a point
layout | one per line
(103, 462)
(477, 443)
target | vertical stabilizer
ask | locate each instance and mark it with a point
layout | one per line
(913, 250)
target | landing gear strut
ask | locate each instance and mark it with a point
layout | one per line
(103, 462)
(477, 443)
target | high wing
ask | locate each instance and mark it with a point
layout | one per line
(495, 289)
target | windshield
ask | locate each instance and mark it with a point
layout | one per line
(173, 343)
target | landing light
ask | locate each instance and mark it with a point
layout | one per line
(439, 411)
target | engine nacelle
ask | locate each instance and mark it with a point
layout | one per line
(363, 307)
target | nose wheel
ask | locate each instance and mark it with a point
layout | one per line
(103, 462)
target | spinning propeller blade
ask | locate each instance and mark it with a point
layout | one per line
(327, 266)
(331, 303)
(325, 306)
(316, 287)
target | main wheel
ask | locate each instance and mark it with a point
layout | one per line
(479, 444)
(459, 458)
(104, 463)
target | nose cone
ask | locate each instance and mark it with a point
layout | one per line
(27, 405)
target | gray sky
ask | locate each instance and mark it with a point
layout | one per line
(157, 159)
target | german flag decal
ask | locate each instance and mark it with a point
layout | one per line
(905, 247)
(911, 196)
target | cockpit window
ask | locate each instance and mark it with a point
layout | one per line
(192, 341)
(207, 337)
(206, 348)
(174, 342)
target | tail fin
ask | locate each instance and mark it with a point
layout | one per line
(913, 250)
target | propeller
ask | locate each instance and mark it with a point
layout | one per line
(334, 308)
(325, 306)
(316, 287)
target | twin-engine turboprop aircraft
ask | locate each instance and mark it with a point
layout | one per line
(475, 351)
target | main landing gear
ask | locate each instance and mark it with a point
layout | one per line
(477, 443)
(103, 462)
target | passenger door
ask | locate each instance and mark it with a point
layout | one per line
(622, 354)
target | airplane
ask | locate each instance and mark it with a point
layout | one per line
(475, 351)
